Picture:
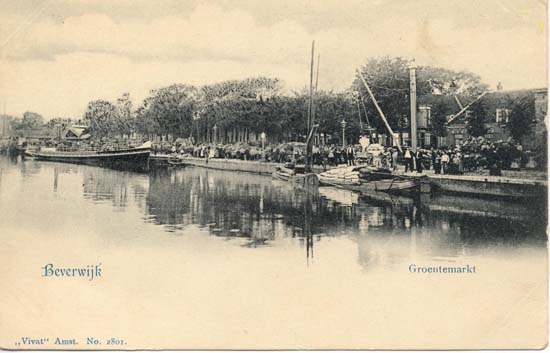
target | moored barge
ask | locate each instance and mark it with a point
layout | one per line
(132, 158)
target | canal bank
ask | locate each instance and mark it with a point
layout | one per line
(235, 165)
(503, 186)
(489, 185)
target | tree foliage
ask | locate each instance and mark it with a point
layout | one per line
(168, 110)
(30, 120)
(439, 111)
(521, 115)
(124, 114)
(389, 80)
(252, 104)
(101, 117)
(440, 81)
(476, 120)
(257, 105)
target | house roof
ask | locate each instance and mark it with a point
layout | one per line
(76, 131)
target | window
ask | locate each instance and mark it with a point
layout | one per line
(424, 116)
(502, 115)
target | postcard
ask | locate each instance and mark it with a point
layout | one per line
(273, 175)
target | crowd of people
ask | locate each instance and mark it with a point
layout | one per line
(472, 155)
(287, 152)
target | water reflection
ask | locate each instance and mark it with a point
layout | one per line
(262, 212)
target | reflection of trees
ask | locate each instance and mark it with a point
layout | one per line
(234, 204)
(422, 230)
(102, 184)
(28, 167)
(60, 168)
(259, 209)
(482, 231)
(13, 159)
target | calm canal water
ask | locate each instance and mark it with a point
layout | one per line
(177, 230)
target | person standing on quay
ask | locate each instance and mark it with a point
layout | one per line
(408, 160)
(206, 154)
(394, 156)
(437, 162)
(419, 157)
(444, 162)
(344, 154)
(351, 155)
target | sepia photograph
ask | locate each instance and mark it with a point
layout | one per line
(273, 174)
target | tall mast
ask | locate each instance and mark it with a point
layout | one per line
(310, 114)
(315, 91)
(310, 109)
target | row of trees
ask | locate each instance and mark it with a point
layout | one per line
(29, 121)
(260, 105)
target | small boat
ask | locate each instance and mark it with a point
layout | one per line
(283, 173)
(348, 175)
(363, 178)
(176, 162)
(397, 184)
(296, 176)
(13, 150)
(132, 158)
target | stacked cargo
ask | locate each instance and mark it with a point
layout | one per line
(341, 176)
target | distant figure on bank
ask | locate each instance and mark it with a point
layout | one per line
(444, 162)
(351, 155)
(394, 156)
(408, 160)
(419, 157)
(437, 163)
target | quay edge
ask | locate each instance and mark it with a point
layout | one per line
(460, 184)
(490, 185)
(237, 165)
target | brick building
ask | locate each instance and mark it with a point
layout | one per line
(498, 106)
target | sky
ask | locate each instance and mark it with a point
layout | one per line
(57, 55)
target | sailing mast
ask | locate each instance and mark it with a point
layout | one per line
(310, 114)
(315, 89)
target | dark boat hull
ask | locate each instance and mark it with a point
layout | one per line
(308, 180)
(176, 163)
(13, 150)
(132, 159)
(397, 185)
